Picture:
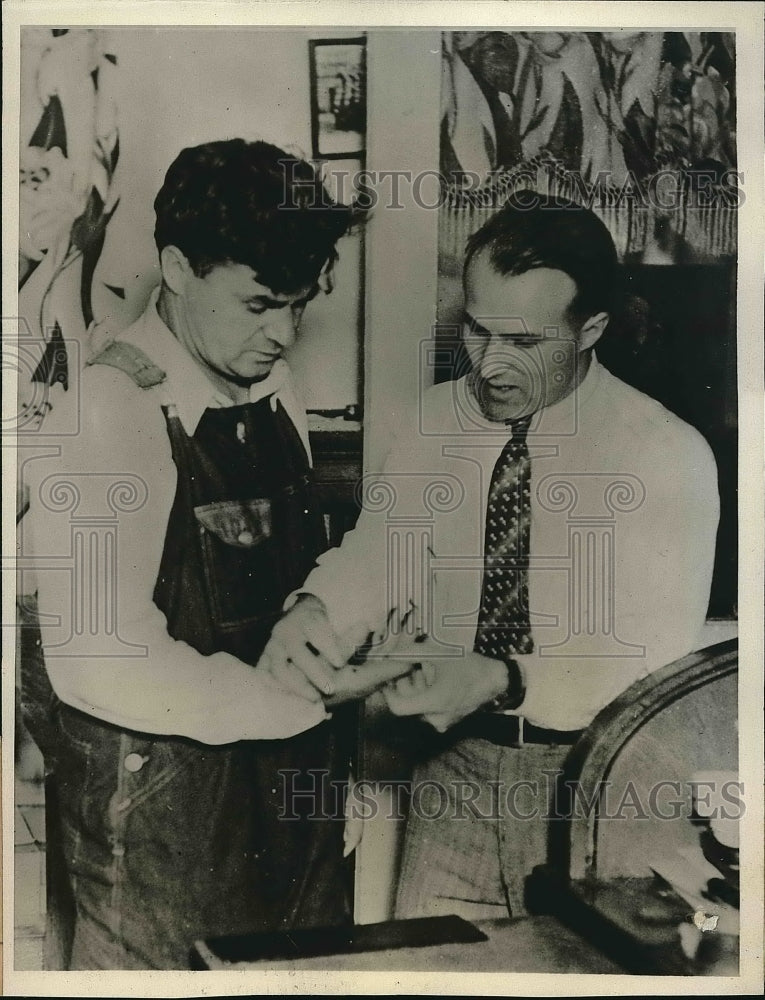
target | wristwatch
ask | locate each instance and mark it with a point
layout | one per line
(513, 695)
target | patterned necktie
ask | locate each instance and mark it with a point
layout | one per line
(504, 628)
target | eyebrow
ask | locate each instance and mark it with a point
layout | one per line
(268, 303)
(477, 327)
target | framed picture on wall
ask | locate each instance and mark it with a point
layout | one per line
(338, 97)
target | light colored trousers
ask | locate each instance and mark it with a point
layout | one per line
(477, 825)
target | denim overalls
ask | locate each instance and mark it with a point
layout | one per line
(167, 840)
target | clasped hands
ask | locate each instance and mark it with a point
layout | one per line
(307, 657)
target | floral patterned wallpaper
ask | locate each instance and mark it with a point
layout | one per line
(606, 112)
(68, 159)
(611, 101)
(604, 107)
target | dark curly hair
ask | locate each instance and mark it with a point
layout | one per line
(251, 203)
(534, 230)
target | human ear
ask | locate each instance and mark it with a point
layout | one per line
(326, 280)
(592, 330)
(175, 268)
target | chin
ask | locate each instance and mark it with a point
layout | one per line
(502, 412)
(254, 373)
(498, 414)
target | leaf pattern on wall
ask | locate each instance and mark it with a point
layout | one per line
(644, 100)
(592, 115)
(54, 365)
(51, 131)
(566, 138)
(68, 162)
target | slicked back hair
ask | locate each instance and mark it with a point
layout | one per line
(533, 230)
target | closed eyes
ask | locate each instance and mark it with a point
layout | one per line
(261, 304)
(474, 329)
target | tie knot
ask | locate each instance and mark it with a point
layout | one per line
(519, 428)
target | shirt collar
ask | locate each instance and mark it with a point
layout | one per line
(187, 386)
(563, 417)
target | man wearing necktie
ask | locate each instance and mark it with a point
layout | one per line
(568, 553)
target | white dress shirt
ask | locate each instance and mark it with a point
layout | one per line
(121, 665)
(624, 516)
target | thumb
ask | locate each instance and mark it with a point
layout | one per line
(352, 638)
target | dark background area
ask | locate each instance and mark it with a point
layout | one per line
(682, 351)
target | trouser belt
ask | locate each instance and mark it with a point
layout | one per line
(515, 731)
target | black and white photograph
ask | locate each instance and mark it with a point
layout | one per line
(338, 92)
(383, 427)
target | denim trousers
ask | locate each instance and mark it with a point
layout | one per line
(166, 841)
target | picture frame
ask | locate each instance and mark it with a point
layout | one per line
(338, 97)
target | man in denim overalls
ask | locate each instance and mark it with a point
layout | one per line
(168, 758)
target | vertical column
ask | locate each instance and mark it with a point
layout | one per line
(404, 74)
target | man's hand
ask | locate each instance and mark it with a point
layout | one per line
(443, 689)
(306, 656)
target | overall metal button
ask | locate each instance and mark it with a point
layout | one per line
(134, 762)
(245, 538)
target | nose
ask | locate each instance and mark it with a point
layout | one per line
(497, 355)
(280, 327)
